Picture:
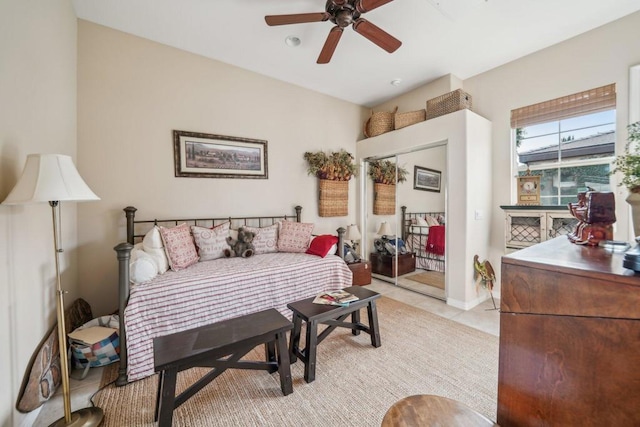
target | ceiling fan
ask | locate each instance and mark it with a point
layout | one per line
(342, 13)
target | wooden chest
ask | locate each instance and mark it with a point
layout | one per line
(361, 272)
(386, 264)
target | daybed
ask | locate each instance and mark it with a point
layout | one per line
(425, 238)
(213, 290)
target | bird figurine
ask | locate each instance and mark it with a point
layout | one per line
(484, 276)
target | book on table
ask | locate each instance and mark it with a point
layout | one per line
(339, 298)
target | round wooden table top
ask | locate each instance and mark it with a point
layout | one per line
(429, 410)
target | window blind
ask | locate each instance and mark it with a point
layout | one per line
(581, 103)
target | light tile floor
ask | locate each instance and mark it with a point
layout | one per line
(481, 317)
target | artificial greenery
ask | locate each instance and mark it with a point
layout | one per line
(334, 166)
(384, 172)
(628, 164)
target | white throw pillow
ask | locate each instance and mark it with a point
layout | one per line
(142, 267)
(421, 222)
(152, 244)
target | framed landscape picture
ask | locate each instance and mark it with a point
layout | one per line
(202, 155)
(426, 179)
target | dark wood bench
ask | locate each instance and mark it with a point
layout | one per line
(219, 346)
(332, 316)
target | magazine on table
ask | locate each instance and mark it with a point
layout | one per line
(339, 298)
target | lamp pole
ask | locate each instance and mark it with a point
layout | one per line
(62, 335)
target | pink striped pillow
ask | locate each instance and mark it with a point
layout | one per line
(179, 246)
(294, 236)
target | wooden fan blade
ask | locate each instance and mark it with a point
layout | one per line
(363, 6)
(376, 35)
(330, 45)
(298, 18)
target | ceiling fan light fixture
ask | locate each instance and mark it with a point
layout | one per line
(292, 41)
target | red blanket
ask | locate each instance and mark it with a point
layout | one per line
(436, 239)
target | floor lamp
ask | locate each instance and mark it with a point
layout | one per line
(53, 178)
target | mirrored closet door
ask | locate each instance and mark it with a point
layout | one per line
(406, 222)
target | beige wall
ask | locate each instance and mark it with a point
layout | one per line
(132, 93)
(593, 59)
(37, 115)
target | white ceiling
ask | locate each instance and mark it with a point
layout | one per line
(461, 37)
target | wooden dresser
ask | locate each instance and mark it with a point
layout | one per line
(569, 338)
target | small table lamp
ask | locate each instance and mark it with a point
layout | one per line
(385, 229)
(53, 178)
(353, 234)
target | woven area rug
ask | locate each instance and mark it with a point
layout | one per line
(355, 383)
(431, 278)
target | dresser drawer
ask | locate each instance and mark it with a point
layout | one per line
(539, 291)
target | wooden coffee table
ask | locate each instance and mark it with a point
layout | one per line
(332, 316)
(220, 346)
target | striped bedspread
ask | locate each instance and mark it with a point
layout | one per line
(212, 291)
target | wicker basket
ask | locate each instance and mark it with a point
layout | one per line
(384, 199)
(380, 122)
(333, 198)
(448, 103)
(409, 118)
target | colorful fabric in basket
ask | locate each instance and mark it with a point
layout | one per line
(100, 353)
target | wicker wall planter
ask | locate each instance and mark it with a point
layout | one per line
(448, 103)
(384, 199)
(333, 198)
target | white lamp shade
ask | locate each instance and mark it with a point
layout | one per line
(353, 233)
(385, 229)
(49, 177)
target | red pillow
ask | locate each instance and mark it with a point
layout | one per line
(320, 245)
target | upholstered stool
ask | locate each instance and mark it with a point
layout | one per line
(426, 410)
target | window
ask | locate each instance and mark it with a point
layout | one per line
(569, 142)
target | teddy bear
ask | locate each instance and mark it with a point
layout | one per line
(242, 246)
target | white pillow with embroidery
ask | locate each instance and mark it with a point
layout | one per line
(211, 242)
(266, 239)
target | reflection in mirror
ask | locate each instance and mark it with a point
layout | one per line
(397, 238)
(423, 220)
(381, 225)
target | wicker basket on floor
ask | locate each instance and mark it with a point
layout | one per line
(409, 118)
(380, 122)
(448, 103)
(333, 198)
(384, 199)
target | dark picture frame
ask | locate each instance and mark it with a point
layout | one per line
(203, 155)
(426, 179)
